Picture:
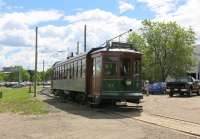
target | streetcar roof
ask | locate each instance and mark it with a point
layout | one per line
(69, 58)
(95, 50)
(117, 50)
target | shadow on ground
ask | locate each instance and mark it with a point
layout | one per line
(104, 112)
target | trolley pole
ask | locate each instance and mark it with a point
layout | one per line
(36, 55)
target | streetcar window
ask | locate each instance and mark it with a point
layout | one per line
(136, 69)
(61, 72)
(98, 66)
(110, 69)
(54, 73)
(70, 70)
(83, 67)
(62, 67)
(125, 67)
(93, 68)
(136, 66)
(79, 68)
(65, 70)
(58, 72)
(75, 69)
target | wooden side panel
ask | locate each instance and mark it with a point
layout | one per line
(88, 74)
(70, 84)
(94, 74)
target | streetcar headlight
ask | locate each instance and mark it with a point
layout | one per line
(128, 82)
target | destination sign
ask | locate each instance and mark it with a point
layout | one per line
(122, 45)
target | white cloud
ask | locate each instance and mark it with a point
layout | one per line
(161, 7)
(101, 25)
(31, 17)
(16, 29)
(125, 7)
(17, 34)
(187, 14)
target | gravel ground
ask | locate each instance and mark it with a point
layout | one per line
(71, 120)
(185, 108)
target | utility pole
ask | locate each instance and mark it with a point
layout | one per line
(77, 51)
(43, 73)
(18, 71)
(85, 30)
(36, 55)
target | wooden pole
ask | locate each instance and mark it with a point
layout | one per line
(77, 51)
(85, 30)
(43, 73)
(36, 56)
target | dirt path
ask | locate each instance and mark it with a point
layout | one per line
(71, 120)
(185, 108)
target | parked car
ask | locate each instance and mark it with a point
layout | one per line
(2, 84)
(157, 88)
(183, 85)
(10, 84)
(16, 86)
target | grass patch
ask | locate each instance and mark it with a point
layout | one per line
(18, 100)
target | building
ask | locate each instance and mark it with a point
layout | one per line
(195, 71)
(9, 69)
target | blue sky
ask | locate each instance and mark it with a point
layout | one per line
(141, 11)
(61, 24)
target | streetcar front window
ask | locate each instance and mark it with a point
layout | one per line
(136, 68)
(110, 69)
(125, 67)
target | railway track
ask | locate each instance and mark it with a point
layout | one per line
(182, 126)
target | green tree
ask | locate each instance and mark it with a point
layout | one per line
(48, 74)
(167, 49)
(19, 74)
(24, 74)
(1, 76)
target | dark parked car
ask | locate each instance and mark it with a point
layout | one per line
(182, 86)
(157, 88)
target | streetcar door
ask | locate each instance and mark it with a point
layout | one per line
(96, 75)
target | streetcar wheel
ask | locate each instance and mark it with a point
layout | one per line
(198, 92)
(171, 94)
(189, 94)
(182, 93)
